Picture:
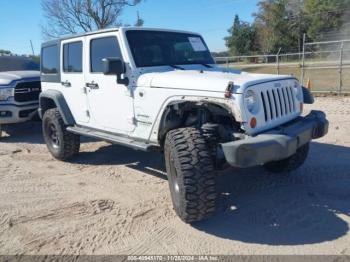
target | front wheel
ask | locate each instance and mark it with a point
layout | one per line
(190, 173)
(62, 144)
(291, 163)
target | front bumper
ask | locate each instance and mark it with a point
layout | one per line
(276, 144)
(13, 113)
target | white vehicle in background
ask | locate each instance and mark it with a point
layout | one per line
(19, 90)
(153, 89)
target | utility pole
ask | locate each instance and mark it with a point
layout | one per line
(31, 44)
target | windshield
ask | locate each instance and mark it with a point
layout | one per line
(17, 63)
(157, 48)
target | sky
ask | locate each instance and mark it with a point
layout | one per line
(21, 20)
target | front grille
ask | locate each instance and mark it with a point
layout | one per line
(27, 91)
(278, 102)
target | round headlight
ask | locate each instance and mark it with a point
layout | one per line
(251, 102)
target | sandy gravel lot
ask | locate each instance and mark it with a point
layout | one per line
(112, 200)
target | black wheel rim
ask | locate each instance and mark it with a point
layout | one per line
(174, 177)
(52, 135)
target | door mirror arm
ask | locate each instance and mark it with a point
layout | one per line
(122, 81)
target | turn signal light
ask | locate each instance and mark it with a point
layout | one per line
(308, 84)
(253, 122)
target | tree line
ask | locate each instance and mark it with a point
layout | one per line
(64, 17)
(282, 24)
(5, 52)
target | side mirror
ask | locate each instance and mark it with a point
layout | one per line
(113, 66)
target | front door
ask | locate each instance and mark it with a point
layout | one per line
(110, 103)
(73, 79)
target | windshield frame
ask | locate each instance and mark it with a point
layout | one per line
(188, 34)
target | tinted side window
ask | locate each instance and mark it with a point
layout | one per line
(102, 48)
(49, 60)
(72, 57)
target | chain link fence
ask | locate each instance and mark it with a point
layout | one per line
(325, 64)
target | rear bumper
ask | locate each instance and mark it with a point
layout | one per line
(276, 144)
(12, 113)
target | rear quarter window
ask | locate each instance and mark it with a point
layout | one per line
(50, 60)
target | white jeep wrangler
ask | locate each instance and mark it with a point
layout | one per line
(153, 89)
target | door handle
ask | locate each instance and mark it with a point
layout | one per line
(66, 84)
(92, 85)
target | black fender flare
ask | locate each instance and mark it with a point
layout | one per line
(48, 97)
(308, 97)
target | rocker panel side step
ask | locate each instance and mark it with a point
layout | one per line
(112, 138)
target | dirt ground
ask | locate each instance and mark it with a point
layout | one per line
(112, 200)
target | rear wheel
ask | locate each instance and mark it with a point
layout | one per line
(62, 144)
(190, 173)
(291, 163)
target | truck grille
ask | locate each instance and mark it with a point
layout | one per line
(278, 102)
(27, 91)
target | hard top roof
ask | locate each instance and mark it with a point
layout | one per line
(114, 29)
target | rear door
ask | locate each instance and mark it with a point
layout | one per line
(110, 103)
(72, 77)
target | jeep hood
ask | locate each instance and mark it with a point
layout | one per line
(7, 77)
(213, 80)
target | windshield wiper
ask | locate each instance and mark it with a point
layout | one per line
(206, 65)
(177, 67)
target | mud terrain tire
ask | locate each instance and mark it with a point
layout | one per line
(291, 163)
(191, 174)
(62, 144)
